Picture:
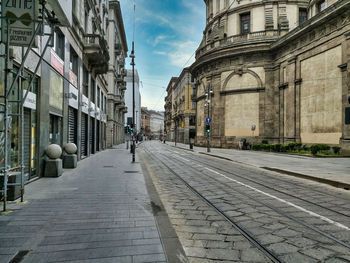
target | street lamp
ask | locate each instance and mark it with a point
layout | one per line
(208, 95)
(132, 56)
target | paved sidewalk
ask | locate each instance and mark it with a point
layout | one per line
(98, 212)
(332, 171)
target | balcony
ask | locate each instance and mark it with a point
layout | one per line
(96, 52)
(253, 37)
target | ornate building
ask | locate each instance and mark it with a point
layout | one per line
(278, 71)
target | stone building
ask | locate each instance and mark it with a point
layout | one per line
(184, 117)
(81, 70)
(116, 74)
(129, 100)
(146, 121)
(278, 70)
(169, 111)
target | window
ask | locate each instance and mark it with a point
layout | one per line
(98, 97)
(73, 61)
(85, 82)
(92, 91)
(321, 5)
(302, 15)
(59, 44)
(245, 23)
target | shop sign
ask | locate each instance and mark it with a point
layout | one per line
(98, 113)
(73, 96)
(73, 79)
(92, 109)
(57, 63)
(21, 27)
(85, 104)
(30, 101)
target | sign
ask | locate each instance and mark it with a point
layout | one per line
(73, 78)
(73, 96)
(182, 124)
(208, 120)
(84, 104)
(57, 62)
(21, 26)
(30, 101)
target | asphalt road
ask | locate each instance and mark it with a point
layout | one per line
(228, 212)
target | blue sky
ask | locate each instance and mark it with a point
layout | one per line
(167, 33)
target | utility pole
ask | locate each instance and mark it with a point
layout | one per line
(132, 55)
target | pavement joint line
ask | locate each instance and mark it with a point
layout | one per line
(326, 219)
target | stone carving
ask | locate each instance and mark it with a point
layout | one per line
(54, 151)
(70, 148)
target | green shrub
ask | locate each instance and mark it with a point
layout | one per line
(336, 149)
(319, 148)
(284, 148)
(276, 147)
(292, 146)
(305, 147)
(256, 146)
(265, 142)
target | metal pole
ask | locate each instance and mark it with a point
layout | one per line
(133, 100)
(208, 133)
(6, 114)
(20, 95)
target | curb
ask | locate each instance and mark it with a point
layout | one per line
(299, 175)
(312, 178)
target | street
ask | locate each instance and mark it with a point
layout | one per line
(238, 213)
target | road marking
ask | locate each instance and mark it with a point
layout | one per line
(284, 201)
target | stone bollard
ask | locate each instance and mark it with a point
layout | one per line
(70, 158)
(53, 164)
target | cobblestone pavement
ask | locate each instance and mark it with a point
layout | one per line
(99, 212)
(296, 220)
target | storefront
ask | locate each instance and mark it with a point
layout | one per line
(84, 127)
(73, 115)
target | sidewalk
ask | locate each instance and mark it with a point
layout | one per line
(98, 212)
(332, 171)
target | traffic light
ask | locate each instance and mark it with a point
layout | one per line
(207, 128)
(126, 129)
(131, 128)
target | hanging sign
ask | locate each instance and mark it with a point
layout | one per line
(21, 25)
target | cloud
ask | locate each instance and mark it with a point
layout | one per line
(158, 39)
(183, 53)
(162, 53)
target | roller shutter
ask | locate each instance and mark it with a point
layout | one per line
(72, 125)
(84, 135)
(27, 140)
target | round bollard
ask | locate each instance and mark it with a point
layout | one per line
(54, 151)
(70, 148)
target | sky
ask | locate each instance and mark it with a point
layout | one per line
(167, 33)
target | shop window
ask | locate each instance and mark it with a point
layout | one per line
(55, 129)
(245, 23)
(302, 15)
(321, 5)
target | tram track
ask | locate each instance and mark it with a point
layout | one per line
(259, 182)
(245, 232)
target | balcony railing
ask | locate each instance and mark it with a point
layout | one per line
(96, 51)
(241, 38)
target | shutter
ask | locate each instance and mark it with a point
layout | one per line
(72, 125)
(92, 135)
(83, 135)
(27, 141)
(98, 135)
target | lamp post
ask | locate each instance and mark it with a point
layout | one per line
(208, 95)
(132, 56)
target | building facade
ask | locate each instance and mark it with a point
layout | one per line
(68, 100)
(169, 111)
(278, 71)
(129, 99)
(146, 122)
(184, 117)
(156, 124)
